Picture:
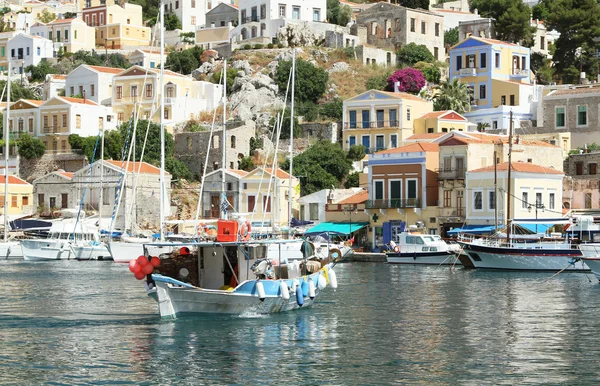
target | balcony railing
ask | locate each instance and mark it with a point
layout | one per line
(372, 125)
(517, 72)
(250, 19)
(451, 174)
(54, 129)
(471, 71)
(394, 203)
(452, 212)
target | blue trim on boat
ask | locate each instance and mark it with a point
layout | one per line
(166, 279)
(522, 251)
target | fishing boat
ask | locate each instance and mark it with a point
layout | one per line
(418, 248)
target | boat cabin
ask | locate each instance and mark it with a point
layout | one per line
(417, 242)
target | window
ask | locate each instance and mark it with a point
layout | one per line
(393, 141)
(193, 3)
(233, 140)
(101, 21)
(412, 24)
(66, 35)
(316, 14)
(267, 204)
(281, 10)
(423, 27)
(45, 122)
(78, 121)
(393, 116)
(31, 125)
(3, 51)
(64, 120)
(458, 62)
(119, 92)
(497, 56)
(120, 117)
(166, 113)
(411, 192)
(588, 201)
(478, 200)
(578, 168)
(366, 119)
(447, 198)
(581, 115)
(503, 100)
(351, 140)
(134, 93)
(13, 201)
(296, 13)
(542, 43)
(560, 117)
(483, 60)
(538, 199)
(436, 52)
(176, 5)
(251, 203)
(75, 35)
(149, 90)
(81, 90)
(92, 90)
(482, 91)
(437, 29)
(378, 190)
(495, 125)
(263, 12)
(193, 20)
(524, 200)
(25, 200)
(512, 100)
(551, 200)
(314, 212)
(592, 168)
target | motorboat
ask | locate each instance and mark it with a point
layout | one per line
(418, 248)
(11, 250)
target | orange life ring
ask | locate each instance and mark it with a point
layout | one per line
(245, 231)
(397, 249)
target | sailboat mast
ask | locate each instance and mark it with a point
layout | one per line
(6, 143)
(289, 220)
(495, 191)
(223, 208)
(101, 177)
(508, 176)
(162, 121)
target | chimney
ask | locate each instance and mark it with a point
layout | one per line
(83, 96)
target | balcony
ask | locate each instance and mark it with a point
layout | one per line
(251, 19)
(451, 174)
(519, 73)
(55, 129)
(471, 71)
(393, 124)
(453, 212)
(393, 203)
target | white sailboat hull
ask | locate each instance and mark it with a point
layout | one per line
(46, 249)
(177, 300)
(91, 252)
(591, 253)
(11, 250)
(123, 252)
(423, 258)
(522, 259)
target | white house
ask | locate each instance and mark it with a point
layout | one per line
(53, 84)
(29, 50)
(191, 13)
(95, 82)
(312, 206)
(258, 18)
(146, 58)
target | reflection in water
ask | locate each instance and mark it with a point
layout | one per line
(72, 322)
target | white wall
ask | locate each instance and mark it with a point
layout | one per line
(39, 48)
(86, 77)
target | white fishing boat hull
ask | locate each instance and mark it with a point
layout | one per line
(178, 299)
(11, 250)
(46, 249)
(123, 252)
(591, 253)
(91, 252)
(423, 258)
(522, 259)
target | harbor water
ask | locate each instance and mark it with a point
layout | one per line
(70, 322)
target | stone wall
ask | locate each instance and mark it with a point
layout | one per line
(372, 55)
(191, 148)
(31, 169)
(329, 131)
(581, 193)
(580, 134)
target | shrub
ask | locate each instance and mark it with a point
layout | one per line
(258, 46)
(410, 79)
(270, 45)
(247, 46)
(279, 45)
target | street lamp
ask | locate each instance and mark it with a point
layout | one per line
(537, 205)
(349, 210)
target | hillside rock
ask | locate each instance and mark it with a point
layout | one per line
(205, 68)
(242, 65)
(253, 96)
(287, 55)
(298, 35)
(339, 67)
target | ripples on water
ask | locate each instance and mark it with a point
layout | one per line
(74, 322)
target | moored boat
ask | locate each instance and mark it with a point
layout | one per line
(591, 257)
(416, 248)
(11, 250)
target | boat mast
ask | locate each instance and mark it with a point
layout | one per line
(508, 176)
(101, 177)
(291, 146)
(495, 192)
(162, 121)
(6, 142)
(223, 208)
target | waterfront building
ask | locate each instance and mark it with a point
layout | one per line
(185, 97)
(402, 186)
(380, 120)
(536, 193)
(212, 191)
(498, 74)
(93, 82)
(582, 181)
(4, 53)
(315, 207)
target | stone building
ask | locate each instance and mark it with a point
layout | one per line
(390, 26)
(581, 185)
(191, 148)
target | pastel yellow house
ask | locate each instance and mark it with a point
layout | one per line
(535, 193)
(441, 122)
(20, 196)
(266, 206)
(381, 120)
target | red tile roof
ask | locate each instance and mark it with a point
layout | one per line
(238, 172)
(30, 101)
(109, 70)
(69, 175)
(59, 21)
(134, 167)
(523, 167)
(80, 101)
(447, 114)
(13, 180)
(404, 95)
(279, 173)
(492, 138)
(413, 147)
(357, 198)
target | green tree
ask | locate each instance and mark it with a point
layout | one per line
(451, 37)
(92, 58)
(423, 4)
(39, 72)
(311, 81)
(246, 164)
(185, 61)
(323, 165)
(356, 152)
(431, 71)
(30, 147)
(452, 95)
(413, 53)
(18, 91)
(69, 15)
(216, 78)
(177, 169)
(542, 68)
(352, 180)
(336, 14)
(285, 126)
(333, 110)
(172, 22)
(46, 16)
(188, 37)
(379, 82)
(513, 18)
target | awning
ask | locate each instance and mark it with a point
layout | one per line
(537, 227)
(343, 228)
(474, 229)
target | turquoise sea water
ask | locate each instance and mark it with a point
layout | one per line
(71, 322)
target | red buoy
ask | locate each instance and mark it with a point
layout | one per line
(147, 269)
(139, 275)
(155, 261)
(132, 264)
(142, 260)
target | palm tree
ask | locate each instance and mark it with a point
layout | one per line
(453, 95)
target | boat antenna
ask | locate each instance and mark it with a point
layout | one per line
(6, 143)
(162, 122)
(224, 202)
(289, 225)
(508, 176)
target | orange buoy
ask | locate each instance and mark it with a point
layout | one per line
(245, 231)
(147, 269)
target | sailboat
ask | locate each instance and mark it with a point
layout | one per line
(512, 253)
(8, 249)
